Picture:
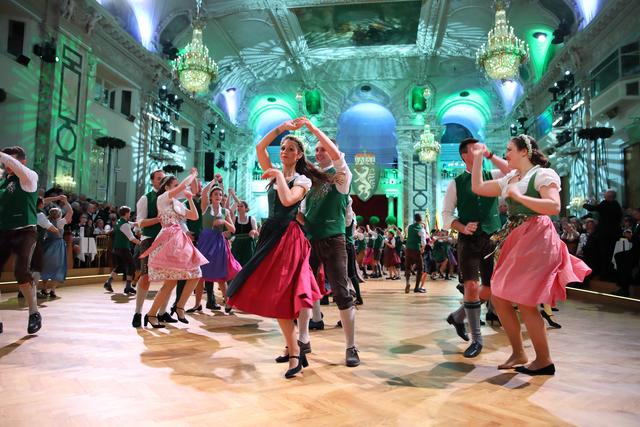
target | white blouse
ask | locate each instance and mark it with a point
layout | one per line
(299, 180)
(544, 177)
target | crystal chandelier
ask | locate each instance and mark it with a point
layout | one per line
(427, 148)
(194, 68)
(503, 52)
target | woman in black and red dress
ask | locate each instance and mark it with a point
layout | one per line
(277, 281)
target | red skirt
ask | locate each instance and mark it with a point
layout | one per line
(535, 266)
(283, 282)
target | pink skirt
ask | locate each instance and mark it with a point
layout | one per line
(535, 266)
(173, 256)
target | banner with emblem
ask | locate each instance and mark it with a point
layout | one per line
(365, 176)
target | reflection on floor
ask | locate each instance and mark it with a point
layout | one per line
(87, 366)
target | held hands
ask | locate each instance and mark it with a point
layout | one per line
(194, 171)
(253, 234)
(290, 125)
(470, 228)
(188, 195)
(478, 150)
(217, 177)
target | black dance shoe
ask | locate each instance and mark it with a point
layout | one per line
(128, 290)
(43, 294)
(351, 358)
(156, 325)
(473, 350)
(107, 287)
(52, 294)
(283, 358)
(35, 323)
(460, 330)
(137, 320)
(407, 288)
(228, 309)
(305, 348)
(318, 326)
(194, 309)
(550, 320)
(420, 291)
(547, 370)
(302, 362)
(182, 319)
(20, 294)
(166, 318)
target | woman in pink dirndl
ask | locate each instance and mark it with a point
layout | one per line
(172, 256)
(534, 265)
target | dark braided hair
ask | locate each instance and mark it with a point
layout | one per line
(526, 142)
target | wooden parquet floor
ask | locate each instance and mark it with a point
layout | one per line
(88, 367)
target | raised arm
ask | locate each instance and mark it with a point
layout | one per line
(498, 162)
(183, 185)
(478, 184)
(261, 148)
(69, 210)
(192, 211)
(28, 178)
(323, 139)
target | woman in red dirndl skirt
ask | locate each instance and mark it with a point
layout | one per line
(277, 281)
(534, 265)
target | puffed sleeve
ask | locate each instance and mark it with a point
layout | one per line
(546, 177)
(303, 181)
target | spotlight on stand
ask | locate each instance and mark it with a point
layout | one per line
(23, 60)
(234, 165)
(513, 129)
(221, 135)
(563, 31)
(569, 78)
(162, 93)
(46, 51)
(212, 126)
(166, 145)
(522, 120)
(555, 90)
(220, 162)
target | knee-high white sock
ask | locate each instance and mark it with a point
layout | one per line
(348, 318)
(303, 324)
(317, 312)
(140, 297)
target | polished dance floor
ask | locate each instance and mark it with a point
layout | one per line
(88, 367)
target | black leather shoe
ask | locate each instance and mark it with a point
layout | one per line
(318, 326)
(284, 358)
(550, 320)
(20, 294)
(420, 291)
(305, 348)
(166, 318)
(302, 362)
(352, 358)
(460, 330)
(460, 288)
(35, 323)
(194, 309)
(339, 324)
(547, 370)
(128, 290)
(137, 320)
(182, 319)
(1, 328)
(407, 288)
(107, 287)
(473, 350)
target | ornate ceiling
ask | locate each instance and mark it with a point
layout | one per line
(275, 48)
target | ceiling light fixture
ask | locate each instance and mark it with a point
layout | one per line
(193, 66)
(503, 53)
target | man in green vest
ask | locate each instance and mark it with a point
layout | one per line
(477, 219)
(122, 239)
(416, 240)
(324, 217)
(147, 217)
(18, 219)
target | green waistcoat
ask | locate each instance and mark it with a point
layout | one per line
(325, 211)
(120, 241)
(378, 242)
(361, 245)
(516, 208)
(413, 236)
(474, 208)
(17, 207)
(152, 212)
